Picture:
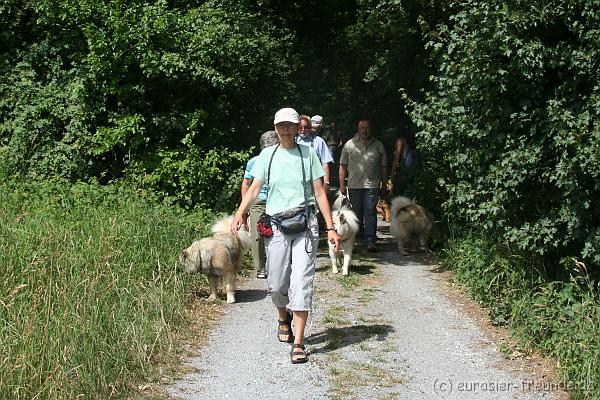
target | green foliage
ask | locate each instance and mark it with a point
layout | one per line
(388, 40)
(104, 90)
(205, 179)
(96, 88)
(490, 276)
(510, 132)
(91, 293)
(563, 319)
(377, 52)
(512, 124)
(560, 318)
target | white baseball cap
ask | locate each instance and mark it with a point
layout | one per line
(286, 115)
(316, 120)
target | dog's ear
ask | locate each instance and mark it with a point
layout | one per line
(183, 255)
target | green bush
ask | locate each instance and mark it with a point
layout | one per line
(207, 179)
(512, 124)
(91, 292)
(491, 277)
(104, 90)
(563, 319)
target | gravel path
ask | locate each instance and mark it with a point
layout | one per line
(387, 331)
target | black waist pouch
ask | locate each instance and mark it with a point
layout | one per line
(292, 221)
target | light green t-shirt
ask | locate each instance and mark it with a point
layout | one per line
(285, 182)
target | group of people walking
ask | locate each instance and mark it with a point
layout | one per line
(285, 187)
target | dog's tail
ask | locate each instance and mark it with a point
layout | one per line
(222, 225)
(399, 203)
(348, 217)
(341, 201)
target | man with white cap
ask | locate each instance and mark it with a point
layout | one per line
(293, 175)
(317, 124)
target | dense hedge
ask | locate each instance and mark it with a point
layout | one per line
(137, 90)
(512, 124)
(172, 95)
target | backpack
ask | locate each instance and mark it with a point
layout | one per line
(412, 159)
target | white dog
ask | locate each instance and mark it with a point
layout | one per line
(410, 220)
(341, 201)
(346, 223)
(218, 256)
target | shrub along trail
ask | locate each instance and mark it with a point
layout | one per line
(387, 331)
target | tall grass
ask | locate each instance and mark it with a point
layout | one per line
(90, 293)
(560, 318)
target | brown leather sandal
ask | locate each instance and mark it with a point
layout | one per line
(288, 331)
(299, 357)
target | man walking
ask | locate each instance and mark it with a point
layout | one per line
(364, 162)
(308, 137)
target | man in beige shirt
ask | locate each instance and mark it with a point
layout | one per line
(364, 162)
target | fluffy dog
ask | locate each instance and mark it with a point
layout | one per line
(341, 201)
(218, 256)
(383, 209)
(346, 223)
(408, 221)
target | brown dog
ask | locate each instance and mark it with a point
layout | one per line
(383, 205)
(410, 220)
(218, 256)
(383, 209)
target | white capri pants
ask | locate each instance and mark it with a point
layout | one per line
(291, 268)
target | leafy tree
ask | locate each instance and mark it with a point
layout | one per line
(354, 56)
(150, 91)
(512, 124)
(101, 89)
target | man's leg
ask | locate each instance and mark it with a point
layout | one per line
(398, 188)
(356, 200)
(370, 215)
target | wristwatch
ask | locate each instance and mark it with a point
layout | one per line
(331, 229)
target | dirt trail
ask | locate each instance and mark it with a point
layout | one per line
(388, 331)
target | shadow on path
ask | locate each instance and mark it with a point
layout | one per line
(362, 269)
(249, 295)
(336, 338)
